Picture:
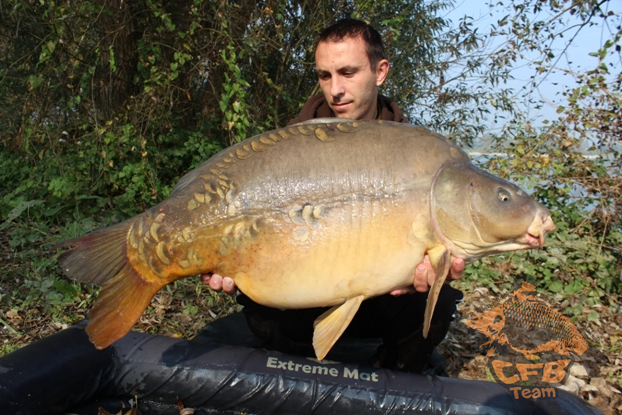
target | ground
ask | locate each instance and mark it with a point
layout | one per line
(183, 309)
(596, 377)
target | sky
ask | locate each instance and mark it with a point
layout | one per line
(577, 57)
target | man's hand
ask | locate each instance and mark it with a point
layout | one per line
(219, 283)
(423, 279)
(425, 276)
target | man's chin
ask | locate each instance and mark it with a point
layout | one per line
(343, 114)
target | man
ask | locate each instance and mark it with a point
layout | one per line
(351, 66)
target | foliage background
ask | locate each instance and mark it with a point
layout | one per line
(106, 103)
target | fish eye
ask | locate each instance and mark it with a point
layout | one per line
(503, 195)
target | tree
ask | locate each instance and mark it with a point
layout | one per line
(124, 97)
(107, 102)
(583, 192)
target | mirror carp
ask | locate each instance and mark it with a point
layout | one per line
(323, 213)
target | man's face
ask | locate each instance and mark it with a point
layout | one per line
(346, 77)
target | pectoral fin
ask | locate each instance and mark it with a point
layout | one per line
(441, 262)
(330, 326)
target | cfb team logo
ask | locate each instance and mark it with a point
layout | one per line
(538, 344)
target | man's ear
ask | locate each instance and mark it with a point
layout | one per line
(382, 70)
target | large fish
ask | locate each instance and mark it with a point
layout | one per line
(323, 213)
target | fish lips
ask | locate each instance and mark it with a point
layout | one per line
(542, 224)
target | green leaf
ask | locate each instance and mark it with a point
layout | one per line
(556, 286)
(23, 207)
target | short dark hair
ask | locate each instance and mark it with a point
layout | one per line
(353, 28)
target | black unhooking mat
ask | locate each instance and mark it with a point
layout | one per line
(222, 371)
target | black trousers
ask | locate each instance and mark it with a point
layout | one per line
(398, 321)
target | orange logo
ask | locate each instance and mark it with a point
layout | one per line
(533, 330)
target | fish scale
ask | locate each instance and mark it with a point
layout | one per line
(324, 213)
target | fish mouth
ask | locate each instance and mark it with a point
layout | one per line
(539, 227)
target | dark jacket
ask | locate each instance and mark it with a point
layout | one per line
(317, 107)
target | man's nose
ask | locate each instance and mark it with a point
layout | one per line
(336, 87)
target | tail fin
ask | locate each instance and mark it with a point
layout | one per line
(100, 257)
(119, 305)
(96, 257)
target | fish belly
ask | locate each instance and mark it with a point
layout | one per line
(360, 249)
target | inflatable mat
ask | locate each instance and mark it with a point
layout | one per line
(222, 371)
